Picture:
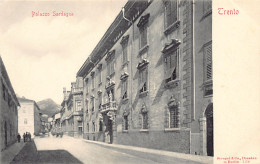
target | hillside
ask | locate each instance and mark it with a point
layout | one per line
(49, 107)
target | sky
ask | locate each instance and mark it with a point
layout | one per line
(43, 54)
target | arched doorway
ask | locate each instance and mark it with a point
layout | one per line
(210, 130)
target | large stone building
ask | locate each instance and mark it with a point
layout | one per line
(29, 117)
(148, 82)
(72, 110)
(8, 109)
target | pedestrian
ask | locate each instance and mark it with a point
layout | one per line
(18, 137)
(23, 137)
(26, 136)
(29, 135)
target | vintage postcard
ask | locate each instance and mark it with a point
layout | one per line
(130, 81)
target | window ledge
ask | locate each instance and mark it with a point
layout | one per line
(172, 27)
(125, 100)
(125, 131)
(125, 63)
(206, 14)
(172, 129)
(144, 130)
(143, 49)
(143, 94)
(172, 84)
(111, 75)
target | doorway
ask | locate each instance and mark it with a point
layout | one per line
(110, 130)
(210, 130)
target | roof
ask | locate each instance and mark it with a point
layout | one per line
(25, 100)
(133, 9)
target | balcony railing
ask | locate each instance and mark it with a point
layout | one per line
(77, 90)
(110, 106)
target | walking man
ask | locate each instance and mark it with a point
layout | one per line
(23, 137)
(18, 137)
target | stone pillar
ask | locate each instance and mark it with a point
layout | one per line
(203, 136)
(114, 131)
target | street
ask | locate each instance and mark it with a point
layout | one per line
(71, 150)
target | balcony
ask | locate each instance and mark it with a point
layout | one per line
(110, 106)
(77, 90)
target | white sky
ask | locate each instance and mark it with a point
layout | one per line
(43, 54)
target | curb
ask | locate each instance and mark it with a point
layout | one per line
(153, 153)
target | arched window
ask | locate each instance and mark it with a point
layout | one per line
(174, 116)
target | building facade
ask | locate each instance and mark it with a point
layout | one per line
(72, 110)
(8, 109)
(29, 117)
(148, 81)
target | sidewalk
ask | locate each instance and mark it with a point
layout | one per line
(8, 154)
(157, 155)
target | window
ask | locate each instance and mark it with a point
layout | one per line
(86, 106)
(110, 67)
(93, 80)
(124, 56)
(86, 82)
(87, 127)
(124, 89)
(78, 105)
(25, 121)
(145, 120)
(124, 43)
(208, 62)
(143, 36)
(125, 122)
(142, 25)
(100, 75)
(208, 88)
(171, 12)
(111, 95)
(174, 118)
(99, 101)
(143, 74)
(92, 105)
(171, 66)
(100, 126)
(93, 127)
(207, 6)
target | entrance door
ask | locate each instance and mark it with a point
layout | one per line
(210, 138)
(80, 131)
(110, 130)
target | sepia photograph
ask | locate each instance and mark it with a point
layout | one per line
(111, 81)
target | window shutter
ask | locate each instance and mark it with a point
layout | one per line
(208, 62)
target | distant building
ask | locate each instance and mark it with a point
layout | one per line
(8, 109)
(72, 109)
(29, 117)
(148, 82)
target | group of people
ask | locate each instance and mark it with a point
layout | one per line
(26, 137)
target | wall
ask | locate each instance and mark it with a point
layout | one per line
(8, 116)
(26, 111)
(158, 94)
